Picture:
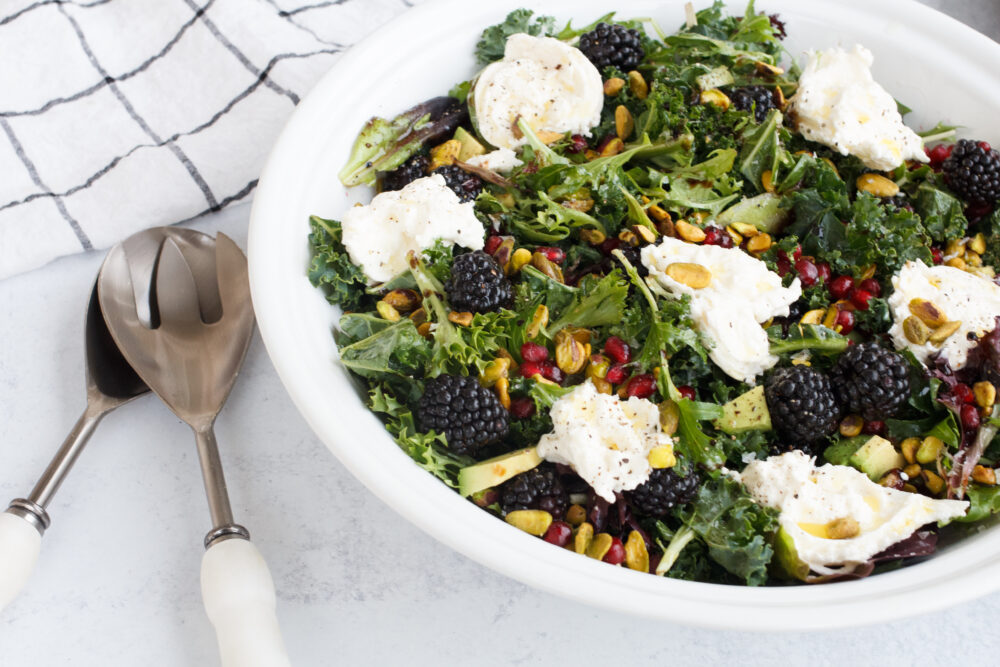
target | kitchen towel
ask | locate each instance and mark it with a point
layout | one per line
(117, 115)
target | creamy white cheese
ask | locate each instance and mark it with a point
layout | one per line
(728, 313)
(959, 295)
(379, 236)
(840, 105)
(809, 497)
(548, 83)
(604, 439)
(502, 160)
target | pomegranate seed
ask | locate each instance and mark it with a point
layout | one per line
(522, 408)
(618, 350)
(874, 427)
(552, 372)
(963, 393)
(616, 554)
(726, 241)
(978, 211)
(845, 320)
(609, 244)
(871, 286)
(578, 144)
(939, 154)
(797, 252)
(823, 270)
(616, 374)
(641, 386)
(970, 417)
(840, 287)
(558, 533)
(807, 271)
(713, 235)
(531, 369)
(860, 298)
(555, 255)
(686, 391)
(938, 255)
(534, 352)
(784, 263)
(492, 243)
(985, 145)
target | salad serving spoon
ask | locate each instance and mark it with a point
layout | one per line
(111, 383)
(184, 324)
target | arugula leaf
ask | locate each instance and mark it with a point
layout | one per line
(983, 501)
(806, 337)
(331, 268)
(493, 40)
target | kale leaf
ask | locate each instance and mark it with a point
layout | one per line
(331, 268)
(493, 40)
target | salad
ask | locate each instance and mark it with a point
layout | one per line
(680, 302)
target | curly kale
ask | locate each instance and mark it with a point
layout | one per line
(331, 268)
(493, 40)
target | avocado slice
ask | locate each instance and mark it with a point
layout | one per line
(746, 412)
(763, 212)
(470, 145)
(786, 561)
(497, 470)
(840, 453)
(877, 457)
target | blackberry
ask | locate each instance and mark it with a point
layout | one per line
(633, 255)
(467, 186)
(663, 491)
(803, 407)
(759, 99)
(777, 25)
(973, 172)
(406, 173)
(614, 46)
(477, 284)
(871, 381)
(538, 489)
(469, 415)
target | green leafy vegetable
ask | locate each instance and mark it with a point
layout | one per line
(494, 39)
(331, 268)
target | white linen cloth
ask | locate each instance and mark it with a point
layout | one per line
(117, 115)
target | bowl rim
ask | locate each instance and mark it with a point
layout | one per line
(963, 573)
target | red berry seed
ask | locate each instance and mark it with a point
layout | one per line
(555, 255)
(970, 417)
(559, 533)
(874, 427)
(713, 235)
(522, 408)
(686, 391)
(963, 393)
(823, 270)
(939, 154)
(641, 386)
(860, 298)
(609, 245)
(845, 320)
(871, 286)
(534, 352)
(618, 350)
(552, 372)
(807, 271)
(616, 374)
(578, 144)
(938, 255)
(530, 369)
(492, 243)
(840, 287)
(616, 554)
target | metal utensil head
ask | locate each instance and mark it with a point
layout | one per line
(108, 373)
(191, 343)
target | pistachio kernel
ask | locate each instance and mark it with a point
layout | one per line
(613, 147)
(501, 388)
(539, 320)
(624, 123)
(533, 522)
(984, 475)
(613, 86)
(694, 276)
(689, 232)
(584, 536)
(638, 85)
(518, 261)
(716, 98)
(842, 529)
(403, 300)
(576, 514)
(927, 312)
(942, 333)
(915, 330)
(759, 243)
(930, 449)
(909, 449)
(592, 236)
(387, 312)
(977, 244)
(985, 393)
(933, 482)
(570, 353)
(877, 185)
(636, 554)
(599, 546)
(767, 181)
(670, 416)
(661, 457)
(462, 319)
(546, 266)
(851, 425)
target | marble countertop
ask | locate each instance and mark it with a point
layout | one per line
(117, 583)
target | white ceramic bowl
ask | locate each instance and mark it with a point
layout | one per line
(942, 69)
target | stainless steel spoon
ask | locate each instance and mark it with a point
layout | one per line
(111, 383)
(189, 353)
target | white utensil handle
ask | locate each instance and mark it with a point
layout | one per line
(239, 598)
(20, 543)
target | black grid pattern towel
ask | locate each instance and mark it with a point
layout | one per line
(116, 115)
